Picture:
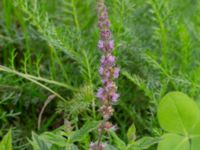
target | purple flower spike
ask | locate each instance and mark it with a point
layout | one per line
(116, 73)
(108, 72)
(108, 69)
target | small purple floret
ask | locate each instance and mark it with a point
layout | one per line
(100, 94)
(116, 73)
(101, 44)
(111, 44)
(114, 97)
(101, 70)
(107, 74)
(109, 86)
(111, 59)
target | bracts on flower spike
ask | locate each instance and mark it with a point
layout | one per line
(107, 94)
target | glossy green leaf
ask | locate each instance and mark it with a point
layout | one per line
(6, 143)
(73, 147)
(146, 142)
(143, 143)
(109, 147)
(132, 147)
(177, 113)
(117, 141)
(49, 141)
(54, 139)
(39, 144)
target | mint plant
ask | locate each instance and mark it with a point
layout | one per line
(107, 94)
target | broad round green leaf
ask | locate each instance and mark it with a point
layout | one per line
(177, 113)
(174, 142)
(178, 142)
(195, 143)
(195, 131)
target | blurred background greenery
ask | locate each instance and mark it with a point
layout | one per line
(48, 47)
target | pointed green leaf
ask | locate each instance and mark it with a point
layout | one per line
(39, 144)
(131, 134)
(6, 143)
(146, 142)
(73, 147)
(80, 134)
(117, 141)
(54, 139)
(109, 147)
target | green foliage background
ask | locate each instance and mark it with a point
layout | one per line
(48, 47)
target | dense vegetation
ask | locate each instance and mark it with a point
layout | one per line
(49, 77)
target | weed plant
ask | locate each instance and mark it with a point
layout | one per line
(48, 48)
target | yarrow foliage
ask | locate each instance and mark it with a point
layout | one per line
(107, 94)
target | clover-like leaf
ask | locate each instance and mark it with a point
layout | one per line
(174, 142)
(195, 143)
(177, 113)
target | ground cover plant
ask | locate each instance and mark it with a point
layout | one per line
(55, 55)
